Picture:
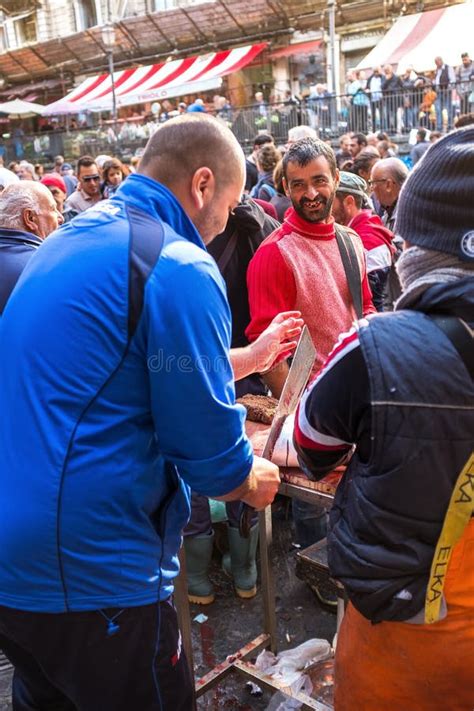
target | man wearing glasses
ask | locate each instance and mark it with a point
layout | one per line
(386, 180)
(88, 188)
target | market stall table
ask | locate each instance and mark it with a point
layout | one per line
(294, 483)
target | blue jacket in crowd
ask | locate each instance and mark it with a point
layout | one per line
(116, 396)
(16, 249)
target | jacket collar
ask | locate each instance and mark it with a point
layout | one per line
(156, 200)
(19, 237)
(453, 299)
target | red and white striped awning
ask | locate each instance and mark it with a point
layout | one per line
(417, 39)
(156, 82)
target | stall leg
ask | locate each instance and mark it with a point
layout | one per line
(182, 608)
(268, 588)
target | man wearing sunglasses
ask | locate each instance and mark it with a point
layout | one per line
(88, 188)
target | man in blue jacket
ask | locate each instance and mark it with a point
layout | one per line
(28, 214)
(116, 397)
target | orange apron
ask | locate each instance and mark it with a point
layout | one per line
(394, 666)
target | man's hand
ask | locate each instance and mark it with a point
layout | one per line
(264, 488)
(260, 487)
(278, 341)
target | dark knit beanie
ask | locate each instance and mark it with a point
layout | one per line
(436, 205)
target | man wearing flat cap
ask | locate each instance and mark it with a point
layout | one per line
(352, 208)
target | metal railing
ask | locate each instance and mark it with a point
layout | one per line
(331, 116)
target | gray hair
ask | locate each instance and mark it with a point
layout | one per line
(18, 197)
(29, 166)
(298, 132)
(396, 169)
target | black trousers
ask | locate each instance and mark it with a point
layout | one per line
(117, 659)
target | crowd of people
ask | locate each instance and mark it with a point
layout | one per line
(396, 103)
(375, 101)
(136, 303)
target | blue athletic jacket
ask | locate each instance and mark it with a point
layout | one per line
(116, 395)
(16, 249)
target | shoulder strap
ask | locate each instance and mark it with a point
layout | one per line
(460, 335)
(226, 255)
(351, 267)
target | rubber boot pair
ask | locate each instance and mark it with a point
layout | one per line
(240, 561)
(198, 550)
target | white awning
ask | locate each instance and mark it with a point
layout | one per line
(155, 82)
(415, 40)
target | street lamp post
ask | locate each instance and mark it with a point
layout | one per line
(331, 5)
(108, 38)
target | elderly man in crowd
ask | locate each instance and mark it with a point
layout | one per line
(386, 180)
(351, 208)
(26, 171)
(28, 214)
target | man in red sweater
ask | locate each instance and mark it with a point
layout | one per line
(299, 266)
(351, 208)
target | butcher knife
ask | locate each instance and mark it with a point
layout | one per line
(295, 383)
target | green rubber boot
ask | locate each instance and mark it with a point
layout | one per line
(240, 563)
(198, 550)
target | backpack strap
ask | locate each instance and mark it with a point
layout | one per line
(460, 335)
(351, 267)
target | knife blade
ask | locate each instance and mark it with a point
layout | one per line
(295, 383)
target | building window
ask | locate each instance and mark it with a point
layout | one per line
(170, 4)
(25, 30)
(86, 14)
(165, 4)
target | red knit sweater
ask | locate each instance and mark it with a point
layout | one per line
(299, 267)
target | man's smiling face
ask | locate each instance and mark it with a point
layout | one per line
(311, 188)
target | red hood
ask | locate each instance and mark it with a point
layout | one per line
(372, 231)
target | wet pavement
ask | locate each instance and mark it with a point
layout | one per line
(233, 622)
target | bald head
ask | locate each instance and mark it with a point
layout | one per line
(393, 168)
(30, 207)
(203, 165)
(387, 177)
(189, 142)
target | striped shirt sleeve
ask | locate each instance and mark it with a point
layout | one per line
(334, 413)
